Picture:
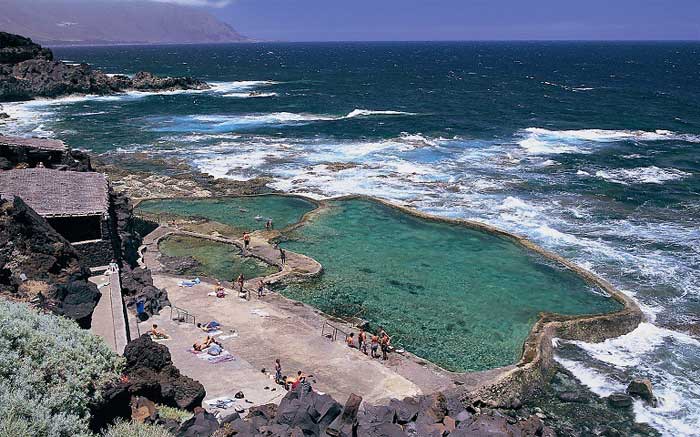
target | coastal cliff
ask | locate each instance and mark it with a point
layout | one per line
(28, 70)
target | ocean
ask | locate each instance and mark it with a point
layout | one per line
(590, 149)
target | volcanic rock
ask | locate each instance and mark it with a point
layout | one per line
(137, 286)
(150, 373)
(202, 424)
(641, 388)
(38, 264)
(27, 70)
(619, 400)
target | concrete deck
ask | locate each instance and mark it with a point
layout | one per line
(276, 327)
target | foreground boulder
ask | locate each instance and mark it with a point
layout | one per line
(150, 372)
(40, 266)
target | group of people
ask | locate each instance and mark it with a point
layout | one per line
(289, 382)
(242, 292)
(380, 340)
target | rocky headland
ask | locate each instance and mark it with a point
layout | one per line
(28, 71)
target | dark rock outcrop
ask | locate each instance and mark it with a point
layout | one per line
(27, 70)
(620, 400)
(16, 48)
(40, 266)
(137, 286)
(202, 424)
(150, 372)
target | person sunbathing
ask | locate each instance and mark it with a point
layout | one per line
(208, 341)
(209, 327)
(156, 333)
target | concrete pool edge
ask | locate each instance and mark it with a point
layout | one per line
(504, 385)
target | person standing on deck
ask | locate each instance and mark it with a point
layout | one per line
(362, 341)
(246, 240)
(375, 346)
(283, 256)
(278, 371)
(240, 281)
(386, 340)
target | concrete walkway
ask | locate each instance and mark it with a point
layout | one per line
(108, 319)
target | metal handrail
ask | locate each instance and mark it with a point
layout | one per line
(334, 331)
(182, 315)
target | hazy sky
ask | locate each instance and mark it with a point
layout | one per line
(320, 20)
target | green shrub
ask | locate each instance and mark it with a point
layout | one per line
(173, 413)
(123, 428)
(50, 372)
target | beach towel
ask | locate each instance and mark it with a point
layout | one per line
(221, 403)
(216, 359)
(191, 283)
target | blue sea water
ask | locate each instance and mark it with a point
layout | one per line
(590, 149)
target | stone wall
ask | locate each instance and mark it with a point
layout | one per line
(94, 253)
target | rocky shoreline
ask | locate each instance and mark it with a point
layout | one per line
(55, 280)
(29, 71)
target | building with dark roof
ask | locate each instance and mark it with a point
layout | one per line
(76, 205)
(40, 152)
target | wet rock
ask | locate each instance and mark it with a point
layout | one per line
(150, 373)
(619, 400)
(642, 389)
(571, 396)
(202, 424)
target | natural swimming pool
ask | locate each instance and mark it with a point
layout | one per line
(241, 213)
(216, 260)
(462, 298)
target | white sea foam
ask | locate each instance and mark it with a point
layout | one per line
(642, 175)
(250, 95)
(652, 352)
(368, 112)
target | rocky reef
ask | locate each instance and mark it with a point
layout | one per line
(28, 70)
(40, 266)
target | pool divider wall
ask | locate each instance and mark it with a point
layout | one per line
(536, 364)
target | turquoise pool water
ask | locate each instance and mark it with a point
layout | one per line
(461, 298)
(216, 260)
(246, 213)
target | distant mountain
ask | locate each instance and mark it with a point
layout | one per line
(61, 22)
